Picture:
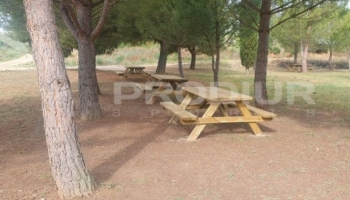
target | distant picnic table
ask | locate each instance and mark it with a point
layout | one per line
(297, 67)
(131, 70)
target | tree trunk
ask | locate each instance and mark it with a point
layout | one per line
(304, 55)
(260, 91)
(296, 52)
(88, 86)
(217, 52)
(349, 60)
(215, 72)
(66, 160)
(88, 92)
(162, 57)
(330, 59)
(179, 57)
(192, 50)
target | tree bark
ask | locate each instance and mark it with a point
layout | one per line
(79, 21)
(66, 160)
(304, 55)
(260, 91)
(192, 50)
(349, 60)
(296, 52)
(215, 72)
(217, 52)
(179, 58)
(163, 55)
(330, 58)
(88, 95)
(88, 85)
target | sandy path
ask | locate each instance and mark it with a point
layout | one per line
(19, 61)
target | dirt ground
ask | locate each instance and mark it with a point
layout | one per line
(134, 153)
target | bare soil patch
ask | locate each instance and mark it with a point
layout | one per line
(134, 153)
(17, 62)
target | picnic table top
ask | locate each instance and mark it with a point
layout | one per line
(163, 77)
(135, 67)
(217, 94)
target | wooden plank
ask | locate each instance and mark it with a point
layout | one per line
(181, 113)
(262, 113)
(120, 73)
(244, 110)
(135, 67)
(266, 115)
(223, 109)
(183, 105)
(167, 78)
(223, 120)
(199, 128)
(205, 105)
(217, 94)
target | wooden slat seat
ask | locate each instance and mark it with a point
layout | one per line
(120, 73)
(266, 115)
(263, 113)
(179, 112)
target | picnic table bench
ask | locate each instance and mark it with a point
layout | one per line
(213, 99)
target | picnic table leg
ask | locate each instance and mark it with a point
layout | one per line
(254, 126)
(183, 105)
(223, 109)
(173, 85)
(160, 88)
(199, 128)
(126, 73)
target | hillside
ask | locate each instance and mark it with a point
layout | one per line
(11, 49)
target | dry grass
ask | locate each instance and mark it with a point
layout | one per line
(305, 152)
(138, 156)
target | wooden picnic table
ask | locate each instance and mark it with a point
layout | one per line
(129, 70)
(297, 67)
(133, 70)
(213, 99)
(160, 83)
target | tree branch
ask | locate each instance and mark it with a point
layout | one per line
(286, 6)
(97, 30)
(97, 3)
(297, 14)
(69, 18)
(251, 5)
(111, 4)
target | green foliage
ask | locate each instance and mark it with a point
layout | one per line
(274, 50)
(342, 36)
(248, 48)
(248, 39)
(13, 20)
(316, 26)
